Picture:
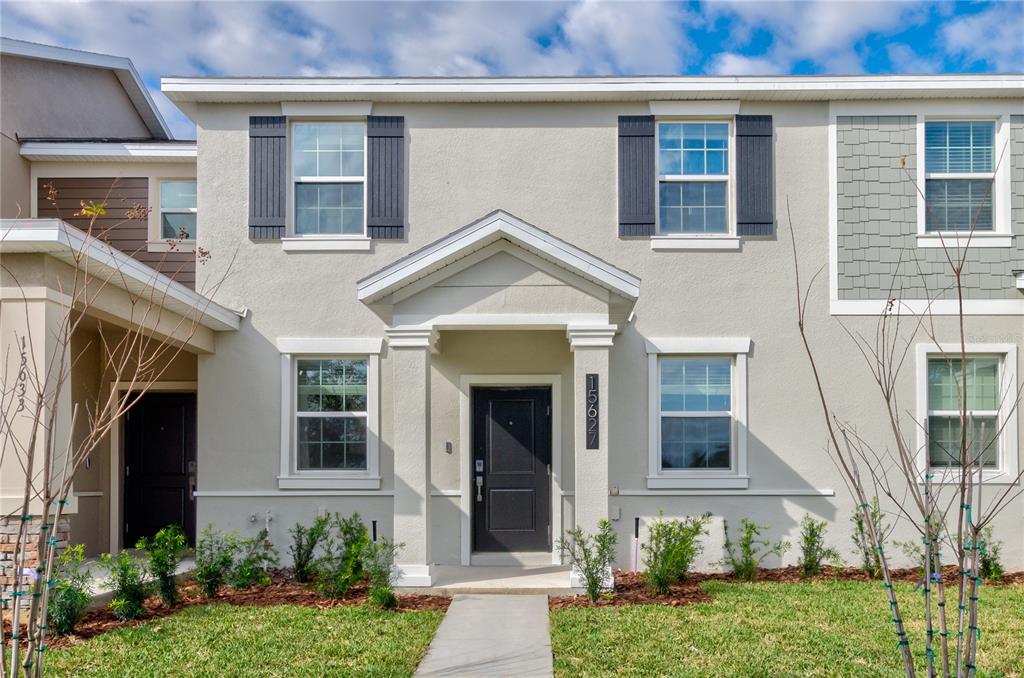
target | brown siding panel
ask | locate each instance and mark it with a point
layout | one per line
(120, 195)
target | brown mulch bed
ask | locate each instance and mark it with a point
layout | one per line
(280, 591)
(630, 588)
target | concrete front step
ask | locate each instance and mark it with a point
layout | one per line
(550, 580)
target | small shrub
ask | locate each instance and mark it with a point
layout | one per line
(991, 567)
(71, 595)
(671, 548)
(127, 582)
(813, 552)
(591, 556)
(304, 543)
(379, 565)
(752, 550)
(341, 564)
(871, 562)
(165, 552)
(215, 554)
(255, 557)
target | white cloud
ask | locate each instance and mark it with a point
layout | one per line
(729, 63)
(826, 32)
(994, 36)
(904, 59)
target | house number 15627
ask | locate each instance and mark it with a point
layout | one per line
(593, 403)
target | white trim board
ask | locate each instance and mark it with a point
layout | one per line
(42, 151)
(466, 384)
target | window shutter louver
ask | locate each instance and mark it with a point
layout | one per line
(268, 162)
(755, 185)
(637, 181)
(385, 177)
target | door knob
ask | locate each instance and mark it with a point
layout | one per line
(479, 488)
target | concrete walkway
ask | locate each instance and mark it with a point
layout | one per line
(491, 635)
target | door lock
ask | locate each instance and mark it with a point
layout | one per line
(479, 488)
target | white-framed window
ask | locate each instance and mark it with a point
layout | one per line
(694, 164)
(698, 413)
(330, 411)
(965, 184)
(328, 165)
(990, 372)
(959, 162)
(177, 209)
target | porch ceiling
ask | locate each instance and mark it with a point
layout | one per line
(496, 226)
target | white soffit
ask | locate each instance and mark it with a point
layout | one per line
(496, 226)
(42, 151)
(630, 88)
(309, 109)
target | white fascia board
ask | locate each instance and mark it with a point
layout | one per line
(55, 237)
(330, 345)
(311, 109)
(123, 69)
(606, 88)
(726, 345)
(114, 152)
(493, 227)
(921, 307)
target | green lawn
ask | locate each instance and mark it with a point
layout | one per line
(814, 629)
(228, 640)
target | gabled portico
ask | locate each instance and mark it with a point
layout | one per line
(499, 274)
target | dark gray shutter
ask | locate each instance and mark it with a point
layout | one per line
(637, 181)
(385, 177)
(268, 159)
(755, 185)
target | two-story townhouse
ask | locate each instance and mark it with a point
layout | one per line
(484, 311)
(481, 312)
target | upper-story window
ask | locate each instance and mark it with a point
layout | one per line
(959, 175)
(329, 171)
(693, 178)
(178, 209)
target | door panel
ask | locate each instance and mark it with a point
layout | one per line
(159, 465)
(511, 456)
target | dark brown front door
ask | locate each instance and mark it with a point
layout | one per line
(511, 469)
(159, 465)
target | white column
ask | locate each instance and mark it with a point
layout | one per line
(590, 347)
(410, 355)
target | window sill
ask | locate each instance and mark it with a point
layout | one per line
(695, 242)
(328, 482)
(171, 246)
(987, 477)
(316, 244)
(958, 241)
(698, 482)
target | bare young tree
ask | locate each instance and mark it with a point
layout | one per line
(135, 352)
(942, 502)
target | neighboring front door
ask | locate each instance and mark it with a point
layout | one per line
(159, 465)
(511, 469)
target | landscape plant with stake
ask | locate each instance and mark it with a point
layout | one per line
(955, 492)
(33, 410)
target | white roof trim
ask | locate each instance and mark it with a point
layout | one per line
(63, 241)
(479, 234)
(590, 88)
(108, 151)
(122, 67)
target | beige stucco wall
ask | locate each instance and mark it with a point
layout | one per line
(52, 99)
(554, 166)
(15, 180)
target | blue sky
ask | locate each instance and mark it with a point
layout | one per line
(528, 38)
